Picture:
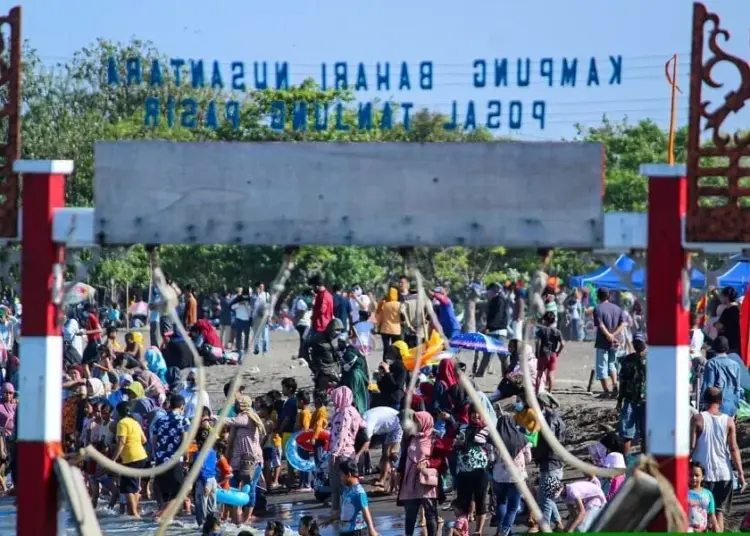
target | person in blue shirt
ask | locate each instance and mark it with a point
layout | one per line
(355, 518)
(723, 373)
(445, 312)
(205, 486)
(342, 308)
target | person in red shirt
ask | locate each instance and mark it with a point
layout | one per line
(93, 326)
(323, 305)
(93, 333)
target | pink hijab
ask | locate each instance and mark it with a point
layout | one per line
(345, 423)
(420, 447)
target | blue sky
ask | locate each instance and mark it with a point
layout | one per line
(452, 35)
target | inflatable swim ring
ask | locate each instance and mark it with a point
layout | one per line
(293, 457)
(234, 497)
(306, 443)
(430, 350)
(244, 496)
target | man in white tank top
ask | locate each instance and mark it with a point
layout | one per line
(713, 443)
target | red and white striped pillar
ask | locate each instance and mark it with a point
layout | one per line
(668, 361)
(41, 348)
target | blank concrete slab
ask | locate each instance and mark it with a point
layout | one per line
(513, 194)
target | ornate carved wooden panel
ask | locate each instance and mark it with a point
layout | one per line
(10, 119)
(719, 166)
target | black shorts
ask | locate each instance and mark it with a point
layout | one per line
(722, 492)
(473, 485)
(128, 484)
(170, 482)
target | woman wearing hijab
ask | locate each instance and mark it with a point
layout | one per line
(7, 428)
(471, 468)
(451, 404)
(345, 423)
(392, 377)
(246, 460)
(156, 364)
(8, 410)
(389, 319)
(152, 385)
(507, 494)
(354, 376)
(419, 482)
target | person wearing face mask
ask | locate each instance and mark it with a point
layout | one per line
(525, 416)
(193, 395)
(323, 349)
(121, 394)
(354, 376)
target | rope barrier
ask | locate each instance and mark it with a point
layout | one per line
(175, 506)
(167, 306)
(675, 515)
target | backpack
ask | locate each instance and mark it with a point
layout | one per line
(70, 354)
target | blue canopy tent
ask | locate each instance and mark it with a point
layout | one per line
(697, 278)
(606, 276)
(737, 276)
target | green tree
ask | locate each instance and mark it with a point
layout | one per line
(627, 146)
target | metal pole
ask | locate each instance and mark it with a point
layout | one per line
(668, 361)
(40, 410)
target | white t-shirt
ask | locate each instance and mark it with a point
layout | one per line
(191, 401)
(696, 342)
(381, 420)
(71, 335)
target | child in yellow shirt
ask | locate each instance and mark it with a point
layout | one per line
(304, 420)
(319, 422)
(271, 444)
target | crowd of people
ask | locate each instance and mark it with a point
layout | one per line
(134, 402)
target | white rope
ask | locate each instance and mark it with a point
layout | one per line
(175, 506)
(549, 435)
(508, 461)
(471, 391)
(167, 306)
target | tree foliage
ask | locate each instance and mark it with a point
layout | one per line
(68, 108)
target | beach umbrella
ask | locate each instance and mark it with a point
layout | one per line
(79, 293)
(477, 342)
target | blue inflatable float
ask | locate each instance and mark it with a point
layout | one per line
(293, 458)
(241, 497)
(234, 497)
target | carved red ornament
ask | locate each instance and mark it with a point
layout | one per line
(718, 194)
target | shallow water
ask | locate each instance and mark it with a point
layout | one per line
(111, 522)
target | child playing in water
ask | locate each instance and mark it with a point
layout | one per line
(319, 422)
(223, 473)
(101, 478)
(304, 420)
(271, 444)
(355, 515)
